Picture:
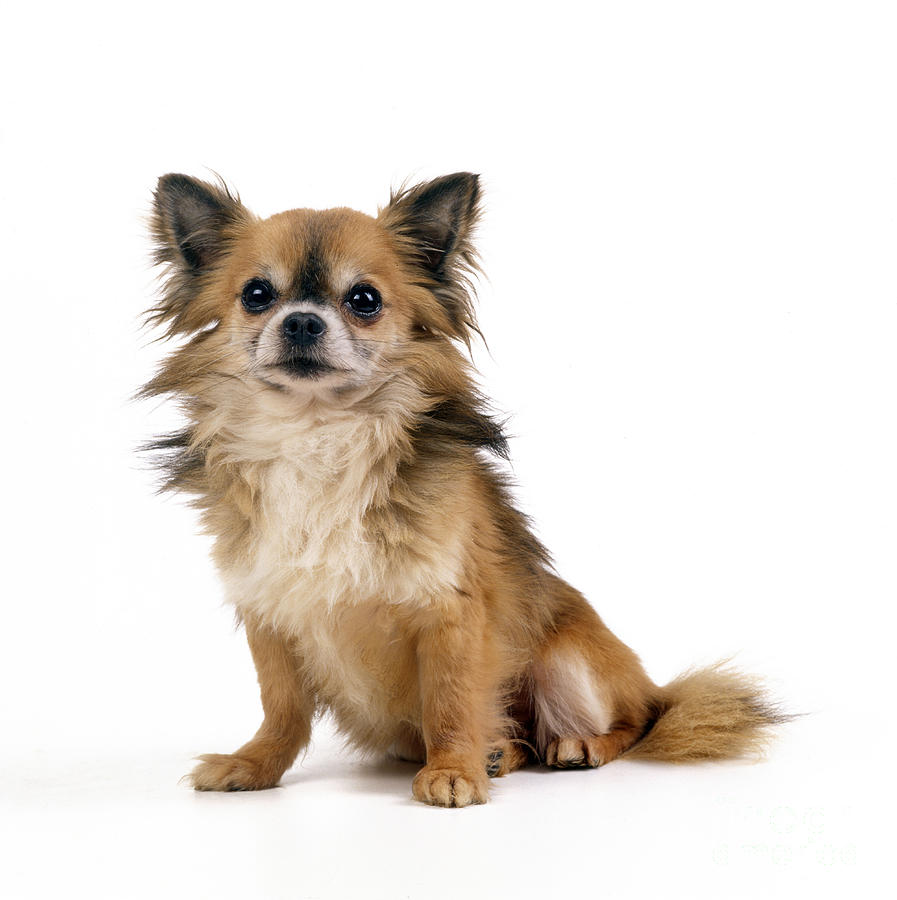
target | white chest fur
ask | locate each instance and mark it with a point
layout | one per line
(312, 544)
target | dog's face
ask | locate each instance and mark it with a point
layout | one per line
(316, 302)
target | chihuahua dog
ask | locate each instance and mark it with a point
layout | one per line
(343, 459)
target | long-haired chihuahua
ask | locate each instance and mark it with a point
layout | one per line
(345, 464)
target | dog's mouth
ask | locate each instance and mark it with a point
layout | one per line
(304, 368)
(301, 366)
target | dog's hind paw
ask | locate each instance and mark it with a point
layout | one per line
(575, 752)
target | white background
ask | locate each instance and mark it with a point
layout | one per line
(689, 236)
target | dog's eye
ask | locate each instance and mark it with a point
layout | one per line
(258, 295)
(364, 301)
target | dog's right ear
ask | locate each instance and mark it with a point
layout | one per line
(193, 224)
(193, 221)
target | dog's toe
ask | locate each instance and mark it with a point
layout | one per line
(574, 753)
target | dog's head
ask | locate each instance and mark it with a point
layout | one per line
(322, 303)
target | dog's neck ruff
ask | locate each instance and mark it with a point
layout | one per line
(320, 527)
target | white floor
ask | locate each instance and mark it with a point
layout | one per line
(121, 825)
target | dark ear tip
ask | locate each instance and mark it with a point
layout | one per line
(468, 179)
(175, 181)
(463, 187)
(474, 188)
(467, 183)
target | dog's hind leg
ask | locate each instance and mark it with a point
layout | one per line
(591, 698)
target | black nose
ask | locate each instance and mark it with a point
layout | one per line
(302, 329)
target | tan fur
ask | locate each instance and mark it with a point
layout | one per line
(285, 731)
(362, 534)
(712, 713)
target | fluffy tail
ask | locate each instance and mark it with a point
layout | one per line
(712, 713)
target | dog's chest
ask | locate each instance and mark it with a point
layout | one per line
(313, 542)
(308, 540)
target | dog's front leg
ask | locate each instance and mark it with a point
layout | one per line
(286, 729)
(456, 699)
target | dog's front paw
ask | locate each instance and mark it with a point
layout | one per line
(229, 772)
(450, 787)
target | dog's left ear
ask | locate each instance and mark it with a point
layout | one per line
(434, 222)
